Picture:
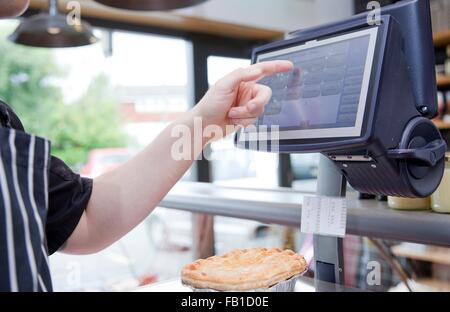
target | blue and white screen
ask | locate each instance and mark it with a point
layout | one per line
(325, 94)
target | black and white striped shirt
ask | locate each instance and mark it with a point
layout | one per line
(41, 203)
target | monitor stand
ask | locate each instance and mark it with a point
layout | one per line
(328, 251)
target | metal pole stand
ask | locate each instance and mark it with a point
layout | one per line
(328, 251)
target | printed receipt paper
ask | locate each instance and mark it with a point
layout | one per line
(324, 216)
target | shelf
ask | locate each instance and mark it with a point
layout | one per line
(431, 254)
(284, 206)
(443, 81)
(442, 125)
(442, 38)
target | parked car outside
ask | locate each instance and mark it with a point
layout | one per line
(104, 160)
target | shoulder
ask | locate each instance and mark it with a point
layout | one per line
(7, 112)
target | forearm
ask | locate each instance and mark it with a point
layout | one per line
(126, 196)
(121, 199)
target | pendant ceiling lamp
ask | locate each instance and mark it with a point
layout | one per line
(11, 8)
(53, 30)
(150, 5)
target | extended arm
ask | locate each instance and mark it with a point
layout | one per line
(121, 199)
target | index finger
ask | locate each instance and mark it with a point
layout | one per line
(270, 68)
(255, 72)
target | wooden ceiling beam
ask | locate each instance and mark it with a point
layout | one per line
(168, 20)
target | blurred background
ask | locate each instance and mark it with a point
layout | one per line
(100, 104)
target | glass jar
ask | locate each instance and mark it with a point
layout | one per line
(440, 200)
(402, 203)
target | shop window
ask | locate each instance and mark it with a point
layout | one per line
(99, 106)
(232, 166)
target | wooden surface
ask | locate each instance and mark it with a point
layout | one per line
(174, 20)
(169, 20)
(438, 255)
(443, 80)
(442, 125)
(442, 38)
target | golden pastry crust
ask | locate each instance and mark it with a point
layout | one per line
(244, 269)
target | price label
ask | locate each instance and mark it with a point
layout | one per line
(324, 216)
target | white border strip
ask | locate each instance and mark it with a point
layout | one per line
(23, 212)
(4, 188)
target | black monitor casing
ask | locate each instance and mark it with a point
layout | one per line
(384, 159)
(414, 20)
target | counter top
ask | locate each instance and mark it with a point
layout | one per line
(283, 206)
(304, 284)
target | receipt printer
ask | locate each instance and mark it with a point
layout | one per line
(362, 93)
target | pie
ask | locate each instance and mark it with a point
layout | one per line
(244, 269)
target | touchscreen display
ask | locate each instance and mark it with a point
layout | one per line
(325, 94)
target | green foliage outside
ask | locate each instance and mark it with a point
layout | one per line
(26, 76)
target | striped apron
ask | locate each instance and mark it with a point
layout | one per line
(24, 163)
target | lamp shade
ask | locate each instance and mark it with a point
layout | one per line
(150, 5)
(52, 30)
(43, 30)
(12, 8)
